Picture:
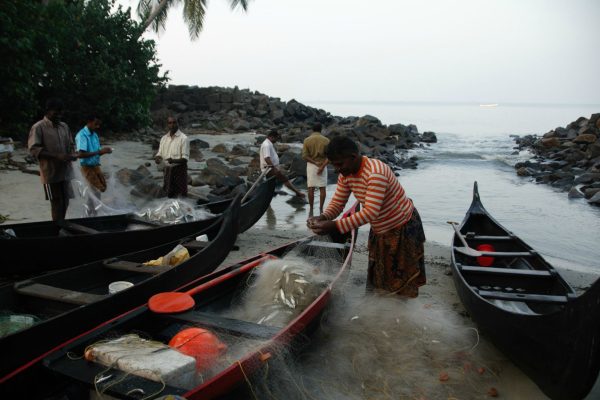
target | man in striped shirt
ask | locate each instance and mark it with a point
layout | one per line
(396, 251)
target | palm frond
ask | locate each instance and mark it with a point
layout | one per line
(193, 15)
(154, 13)
(241, 3)
(144, 8)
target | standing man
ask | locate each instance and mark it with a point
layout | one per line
(50, 142)
(88, 147)
(396, 251)
(174, 148)
(313, 152)
(270, 159)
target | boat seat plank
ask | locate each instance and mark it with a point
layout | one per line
(327, 245)
(472, 236)
(506, 271)
(55, 293)
(86, 371)
(526, 297)
(131, 266)
(229, 325)
(72, 226)
(502, 253)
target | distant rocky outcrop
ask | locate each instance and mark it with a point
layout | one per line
(217, 109)
(567, 158)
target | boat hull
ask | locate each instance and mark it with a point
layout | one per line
(552, 335)
(24, 349)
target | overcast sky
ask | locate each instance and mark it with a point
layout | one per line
(492, 51)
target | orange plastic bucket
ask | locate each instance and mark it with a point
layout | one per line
(485, 261)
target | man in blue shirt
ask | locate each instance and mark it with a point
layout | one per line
(88, 146)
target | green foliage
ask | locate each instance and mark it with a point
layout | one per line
(80, 51)
(20, 65)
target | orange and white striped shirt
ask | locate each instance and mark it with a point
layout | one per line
(384, 203)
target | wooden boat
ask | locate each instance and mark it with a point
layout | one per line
(526, 307)
(214, 297)
(69, 302)
(253, 208)
(48, 245)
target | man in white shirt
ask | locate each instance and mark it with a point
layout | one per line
(269, 158)
(174, 148)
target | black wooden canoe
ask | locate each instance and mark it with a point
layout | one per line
(49, 245)
(528, 310)
(214, 295)
(74, 300)
(253, 207)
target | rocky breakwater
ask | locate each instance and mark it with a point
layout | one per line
(225, 113)
(567, 158)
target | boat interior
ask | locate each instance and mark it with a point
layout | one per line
(216, 309)
(52, 294)
(508, 271)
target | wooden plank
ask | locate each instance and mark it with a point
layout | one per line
(124, 265)
(229, 325)
(471, 236)
(72, 226)
(500, 253)
(506, 271)
(526, 297)
(59, 294)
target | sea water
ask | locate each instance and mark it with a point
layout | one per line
(475, 144)
(366, 349)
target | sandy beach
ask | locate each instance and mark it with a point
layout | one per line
(423, 348)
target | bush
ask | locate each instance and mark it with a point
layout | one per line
(79, 51)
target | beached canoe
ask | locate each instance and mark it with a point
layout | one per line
(526, 307)
(253, 207)
(66, 303)
(43, 246)
(250, 342)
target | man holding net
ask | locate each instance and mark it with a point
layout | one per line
(396, 250)
(89, 152)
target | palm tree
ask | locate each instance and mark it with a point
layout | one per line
(154, 13)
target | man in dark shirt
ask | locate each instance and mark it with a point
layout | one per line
(51, 143)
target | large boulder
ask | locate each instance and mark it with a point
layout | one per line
(428, 137)
(595, 199)
(220, 148)
(550, 142)
(586, 138)
(129, 177)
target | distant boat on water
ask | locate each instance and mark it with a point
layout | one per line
(489, 105)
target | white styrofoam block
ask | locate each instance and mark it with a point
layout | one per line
(148, 359)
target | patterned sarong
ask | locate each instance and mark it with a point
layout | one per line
(176, 180)
(396, 259)
(94, 176)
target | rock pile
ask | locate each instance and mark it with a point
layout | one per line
(567, 158)
(217, 109)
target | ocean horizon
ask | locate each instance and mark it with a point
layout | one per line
(475, 144)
